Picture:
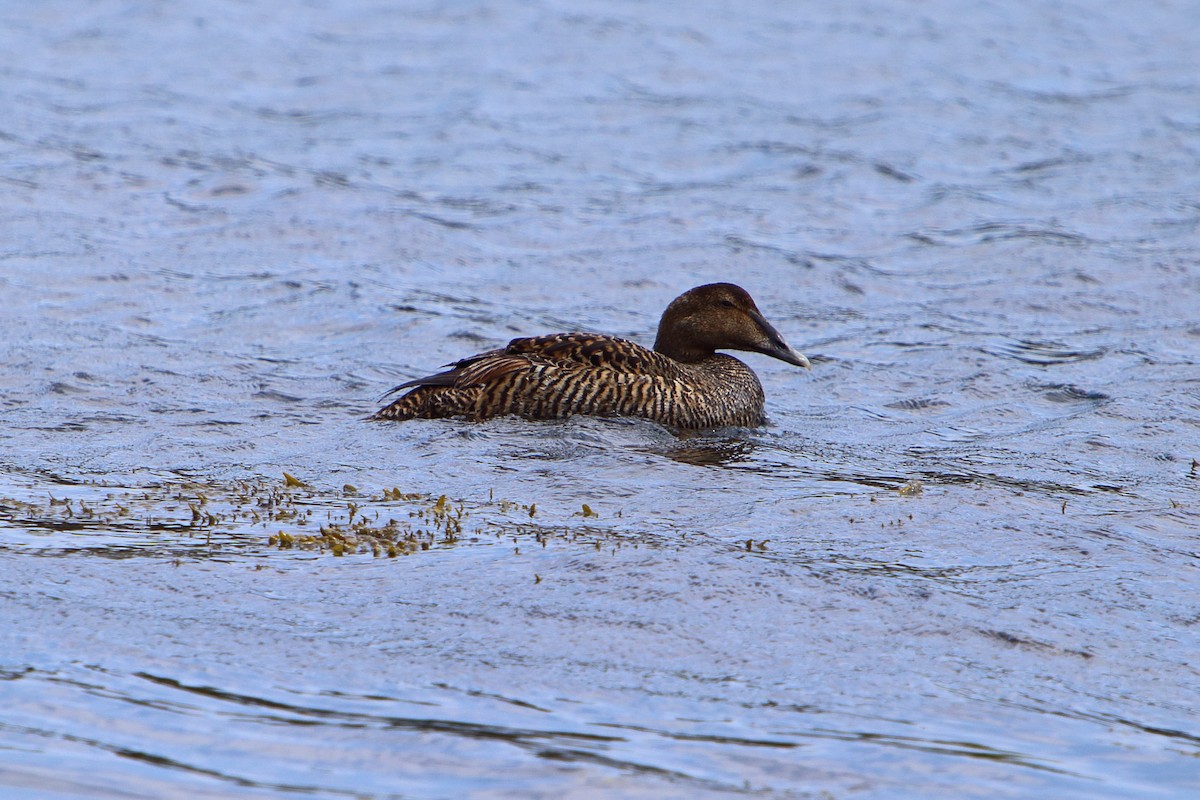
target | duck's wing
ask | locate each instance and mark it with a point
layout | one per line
(471, 371)
(589, 350)
(557, 349)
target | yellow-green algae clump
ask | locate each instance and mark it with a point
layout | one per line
(427, 522)
(209, 517)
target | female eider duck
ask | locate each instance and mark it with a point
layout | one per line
(683, 382)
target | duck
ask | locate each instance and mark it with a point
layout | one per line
(682, 382)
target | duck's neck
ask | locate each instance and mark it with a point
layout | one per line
(674, 348)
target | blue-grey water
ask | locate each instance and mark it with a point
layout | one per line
(960, 561)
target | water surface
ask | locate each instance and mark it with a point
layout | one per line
(960, 560)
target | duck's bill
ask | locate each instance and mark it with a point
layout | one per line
(785, 353)
(776, 347)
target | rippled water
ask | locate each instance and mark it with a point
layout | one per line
(960, 561)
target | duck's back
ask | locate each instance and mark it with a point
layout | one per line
(549, 377)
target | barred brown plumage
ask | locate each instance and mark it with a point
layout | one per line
(683, 382)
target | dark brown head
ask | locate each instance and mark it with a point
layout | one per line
(719, 316)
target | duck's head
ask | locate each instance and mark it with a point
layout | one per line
(719, 316)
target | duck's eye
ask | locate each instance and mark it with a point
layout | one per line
(727, 303)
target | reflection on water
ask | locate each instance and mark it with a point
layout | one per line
(705, 451)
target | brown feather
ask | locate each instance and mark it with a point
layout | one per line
(682, 382)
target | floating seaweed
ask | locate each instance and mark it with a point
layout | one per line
(204, 519)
